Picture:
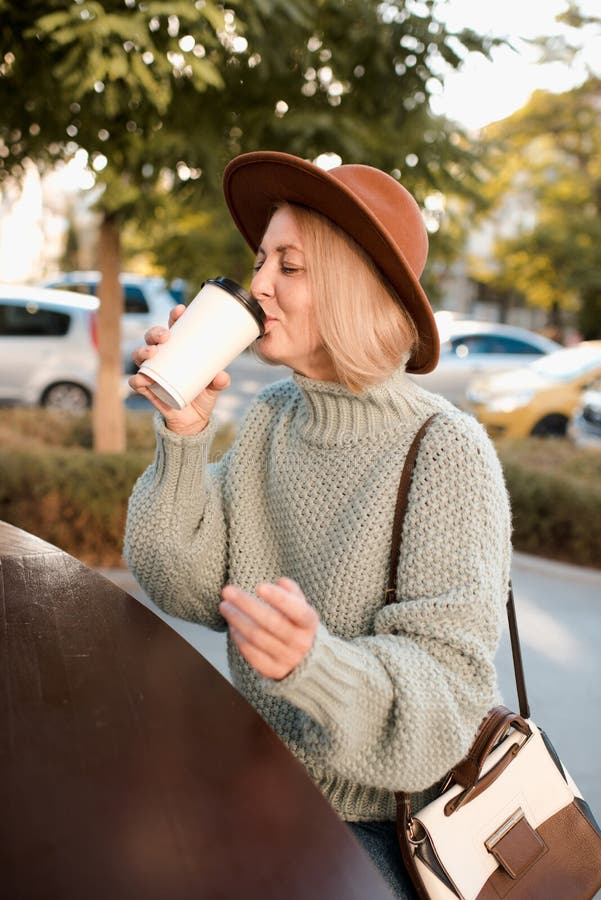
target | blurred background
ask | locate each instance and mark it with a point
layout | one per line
(117, 119)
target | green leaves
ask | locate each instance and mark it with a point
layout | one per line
(546, 160)
(169, 90)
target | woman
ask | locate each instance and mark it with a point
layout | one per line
(285, 542)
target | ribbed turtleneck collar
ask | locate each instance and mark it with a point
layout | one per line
(331, 415)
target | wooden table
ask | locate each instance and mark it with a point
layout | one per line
(129, 768)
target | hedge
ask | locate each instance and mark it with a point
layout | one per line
(56, 488)
(555, 492)
(72, 498)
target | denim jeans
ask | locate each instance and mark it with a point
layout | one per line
(380, 841)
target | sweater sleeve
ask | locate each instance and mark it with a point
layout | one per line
(176, 537)
(397, 708)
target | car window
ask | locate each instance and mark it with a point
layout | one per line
(30, 320)
(135, 301)
(472, 344)
(502, 344)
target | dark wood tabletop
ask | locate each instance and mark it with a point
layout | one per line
(129, 768)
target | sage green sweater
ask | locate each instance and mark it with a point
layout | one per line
(389, 697)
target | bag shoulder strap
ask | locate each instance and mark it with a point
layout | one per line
(400, 512)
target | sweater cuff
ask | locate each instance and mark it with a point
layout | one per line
(174, 439)
(325, 683)
(180, 461)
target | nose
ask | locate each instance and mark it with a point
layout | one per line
(261, 286)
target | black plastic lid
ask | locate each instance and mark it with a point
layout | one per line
(243, 297)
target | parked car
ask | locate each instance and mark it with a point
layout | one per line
(147, 300)
(540, 398)
(48, 347)
(470, 348)
(585, 424)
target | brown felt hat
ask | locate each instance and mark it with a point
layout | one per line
(369, 205)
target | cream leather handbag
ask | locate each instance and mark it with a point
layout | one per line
(509, 822)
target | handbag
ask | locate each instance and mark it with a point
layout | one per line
(508, 820)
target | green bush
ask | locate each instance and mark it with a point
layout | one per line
(74, 499)
(555, 491)
(54, 486)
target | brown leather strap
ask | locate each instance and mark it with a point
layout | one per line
(400, 511)
(494, 727)
(516, 652)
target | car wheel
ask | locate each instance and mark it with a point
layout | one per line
(554, 425)
(67, 396)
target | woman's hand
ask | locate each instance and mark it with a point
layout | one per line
(273, 631)
(193, 418)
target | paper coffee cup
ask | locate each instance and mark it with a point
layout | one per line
(221, 321)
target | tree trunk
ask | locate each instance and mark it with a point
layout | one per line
(109, 411)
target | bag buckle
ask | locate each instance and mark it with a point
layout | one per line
(502, 830)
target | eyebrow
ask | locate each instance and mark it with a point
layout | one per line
(282, 248)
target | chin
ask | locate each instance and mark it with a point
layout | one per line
(265, 356)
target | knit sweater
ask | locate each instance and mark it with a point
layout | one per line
(390, 696)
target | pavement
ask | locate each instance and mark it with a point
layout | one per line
(559, 618)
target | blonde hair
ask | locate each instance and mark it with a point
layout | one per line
(361, 321)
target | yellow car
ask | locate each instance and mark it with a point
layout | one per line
(537, 399)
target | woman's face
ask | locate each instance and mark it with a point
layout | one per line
(281, 285)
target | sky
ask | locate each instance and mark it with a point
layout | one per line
(484, 91)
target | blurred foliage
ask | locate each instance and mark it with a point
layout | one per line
(555, 492)
(40, 429)
(162, 93)
(73, 499)
(547, 184)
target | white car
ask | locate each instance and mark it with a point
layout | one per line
(585, 425)
(48, 350)
(147, 301)
(48, 347)
(470, 348)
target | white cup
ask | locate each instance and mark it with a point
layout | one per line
(221, 321)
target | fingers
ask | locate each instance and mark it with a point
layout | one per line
(157, 335)
(256, 610)
(141, 354)
(284, 596)
(176, 313)
(269, 640)
(260, 661)
(274, 630)
(220, 382)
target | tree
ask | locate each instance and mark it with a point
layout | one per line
(353, 78)
(548, 184)
(107, 75)
(160, 93)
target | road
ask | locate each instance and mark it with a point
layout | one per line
(559, 617)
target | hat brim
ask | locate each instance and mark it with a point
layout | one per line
(254, 182)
